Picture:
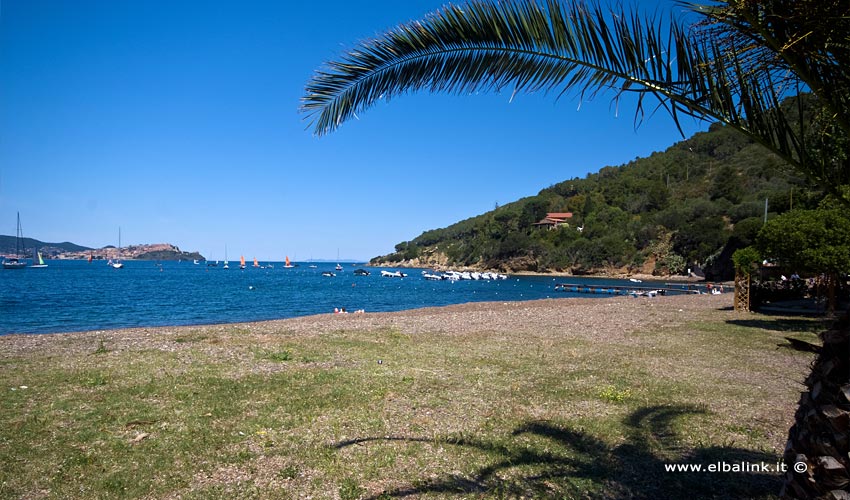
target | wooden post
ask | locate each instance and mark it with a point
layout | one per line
(742, 291)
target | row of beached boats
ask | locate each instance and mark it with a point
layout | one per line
(429, 275)
(463, 275)
(449, 275)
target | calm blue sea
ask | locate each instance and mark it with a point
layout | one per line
(75, 295)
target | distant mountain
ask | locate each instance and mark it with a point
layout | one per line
(7, 246)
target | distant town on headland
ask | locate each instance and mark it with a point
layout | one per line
(69, 251)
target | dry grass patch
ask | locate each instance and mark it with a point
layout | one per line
(556, 398)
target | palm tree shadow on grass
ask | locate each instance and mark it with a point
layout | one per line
(571, 459)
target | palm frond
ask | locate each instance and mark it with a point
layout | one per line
(481, 46)
(725, 69)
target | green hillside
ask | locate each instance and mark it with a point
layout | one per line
(687, 207)
(7, 246)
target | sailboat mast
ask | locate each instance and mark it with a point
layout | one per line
(18, 237)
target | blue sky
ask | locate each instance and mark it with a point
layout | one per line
(178, 121)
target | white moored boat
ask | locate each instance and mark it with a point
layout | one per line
(16, 262)
(117, 264)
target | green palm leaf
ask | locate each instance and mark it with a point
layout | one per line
(724, 69)
(523, 45)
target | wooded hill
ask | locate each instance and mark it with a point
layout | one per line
(7, 246)
(690, 206)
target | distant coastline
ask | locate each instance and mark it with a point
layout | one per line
(155, 251)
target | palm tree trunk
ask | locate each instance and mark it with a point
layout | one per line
(820, 436)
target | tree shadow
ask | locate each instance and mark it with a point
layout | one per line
(781, 324)
(567, 460)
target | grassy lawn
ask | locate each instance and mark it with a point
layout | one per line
(380, 413)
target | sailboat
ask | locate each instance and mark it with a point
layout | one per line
(288, 263)
(256, 264)
(241, 262)
(37, 260)
(225, 258)
(117, 264)
(338, 267)
(16, 262)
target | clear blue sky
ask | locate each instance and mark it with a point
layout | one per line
(178, 121)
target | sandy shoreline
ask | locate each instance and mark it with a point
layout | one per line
(601, 318)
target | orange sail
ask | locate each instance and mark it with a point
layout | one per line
(90, 257)
(242, 260)
(256, 264)
(287, 261)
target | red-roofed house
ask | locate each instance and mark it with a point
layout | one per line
(555, 219)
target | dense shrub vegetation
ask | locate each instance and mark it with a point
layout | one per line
(690, 206)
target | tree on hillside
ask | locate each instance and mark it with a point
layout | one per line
(737, 66)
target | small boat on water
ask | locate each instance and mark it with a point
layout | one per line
(241, 262)
(13, 263)
(37, 260)
(256, 264)
(288, 264)
(393, 274)
(361, 272)
(117, 264)
(16, 262)
(328, 274)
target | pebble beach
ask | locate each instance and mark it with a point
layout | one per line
(599, 319)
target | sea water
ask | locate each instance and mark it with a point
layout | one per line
(72, 296)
